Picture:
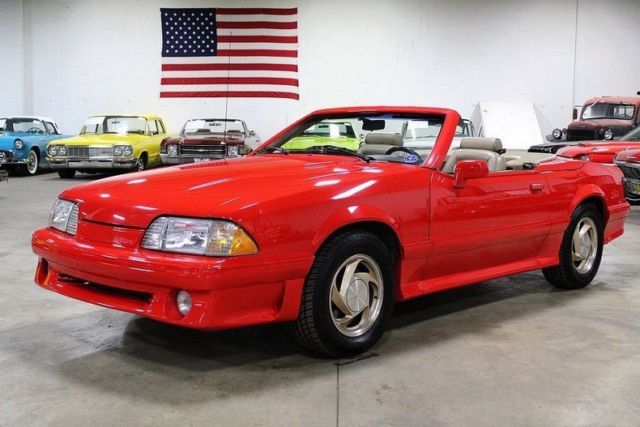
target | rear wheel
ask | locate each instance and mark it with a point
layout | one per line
(348, 296)
(66, 173)
(580, 251)
(33, 162)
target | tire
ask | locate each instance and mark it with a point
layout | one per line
(66, 173)
(141, 163)
(579, 262)
(33, 163)
(324, 329)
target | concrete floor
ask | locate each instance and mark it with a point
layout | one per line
(513, 351)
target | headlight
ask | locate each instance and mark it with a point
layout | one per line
(199, 237)
(52, 150)
(608, 134)
(64, 216)
(172, 149)
(122, 150)
(18, 144)
(232, 151)
(557, 133)
(62, 150)
(585, 158)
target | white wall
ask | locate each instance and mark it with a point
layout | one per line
(12, 58)
(91, 56)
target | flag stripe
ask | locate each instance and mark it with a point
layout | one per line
(256, 11)
(256, 18)
(257, 52)
(257, 39)
(256, 32)
(224, 87)
(229, 73)
(258, 24)
(232, 66)
(229, 94)
(283, 47)
(225, 60)
(229, 80)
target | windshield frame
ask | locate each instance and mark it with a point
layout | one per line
(241, 122)
(609, 105)
(433, 161)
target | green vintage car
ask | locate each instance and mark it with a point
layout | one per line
(338, 134)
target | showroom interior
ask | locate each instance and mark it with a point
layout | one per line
(445, 337)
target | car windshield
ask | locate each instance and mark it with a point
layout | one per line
(211, 126)
(24, 125)
(634, 135)
(607, 110)
(3, 124)
(368, 136)
(115, 124)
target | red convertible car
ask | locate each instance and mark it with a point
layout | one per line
(328, 238)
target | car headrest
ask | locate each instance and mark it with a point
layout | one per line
(489, 144)
(383, 138)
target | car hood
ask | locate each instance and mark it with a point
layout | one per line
(600, 123)
(599, 146)
(8, 138)
(632, 156)
(104, 140)
(231, 189)
(205, 140)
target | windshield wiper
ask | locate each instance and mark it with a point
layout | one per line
(332, 149)
(273, 150)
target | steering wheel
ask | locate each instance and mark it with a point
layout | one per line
(412, 156)
(34, 130)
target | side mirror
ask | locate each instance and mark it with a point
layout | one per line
(469, 169)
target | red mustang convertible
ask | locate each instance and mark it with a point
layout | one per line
(310, 232)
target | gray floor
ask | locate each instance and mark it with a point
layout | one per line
(513, 351)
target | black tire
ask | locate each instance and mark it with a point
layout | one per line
(315, 329)
(66, 173)
(141, 163)
(566, 275)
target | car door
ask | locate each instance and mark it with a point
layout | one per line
(156, 135)
(492, 221)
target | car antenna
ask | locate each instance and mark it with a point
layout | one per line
(226, 102)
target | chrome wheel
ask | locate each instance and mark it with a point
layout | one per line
(32, 162)
(356, 295)
(141, 164)
(584, 245)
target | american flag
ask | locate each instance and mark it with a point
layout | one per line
(229, 52)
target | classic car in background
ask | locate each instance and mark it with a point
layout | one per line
(605, 117)
(339, 236)
(109, 143)
(23, 142)
(420, 135)
(629, 162)
(208, 139)
(632, 136)
(335, 133)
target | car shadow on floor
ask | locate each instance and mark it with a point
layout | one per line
(144, 356)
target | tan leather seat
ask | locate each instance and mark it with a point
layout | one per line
(487, 149)
(380, 143)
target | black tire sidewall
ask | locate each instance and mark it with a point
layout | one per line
(356, 243)
(577, 279)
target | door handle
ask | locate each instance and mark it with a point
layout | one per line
(537, 187)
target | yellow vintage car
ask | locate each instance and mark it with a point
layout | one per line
(109, 142)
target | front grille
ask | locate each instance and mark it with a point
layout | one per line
(630, 172)
(581, 135)
(209, 151)
(6, 156)
(108, 290)
(85, 151)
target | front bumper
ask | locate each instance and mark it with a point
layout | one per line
(180, 159)
(226, 292)
(92, 163)
(8, 158)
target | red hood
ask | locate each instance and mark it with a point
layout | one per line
(600, 124)
(576, 151)
(632, 156)
(225, 189)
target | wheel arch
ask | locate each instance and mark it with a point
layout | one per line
(594, 195)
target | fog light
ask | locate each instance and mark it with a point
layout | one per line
(172, 150)
(183, 300)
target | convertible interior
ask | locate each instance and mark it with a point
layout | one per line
(381, 145)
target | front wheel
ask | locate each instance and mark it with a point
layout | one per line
(348, 296)
(580, 251)
(67, 173)
(33, 163)
(141, 163)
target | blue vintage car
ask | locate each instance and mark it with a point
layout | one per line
(23, 142)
